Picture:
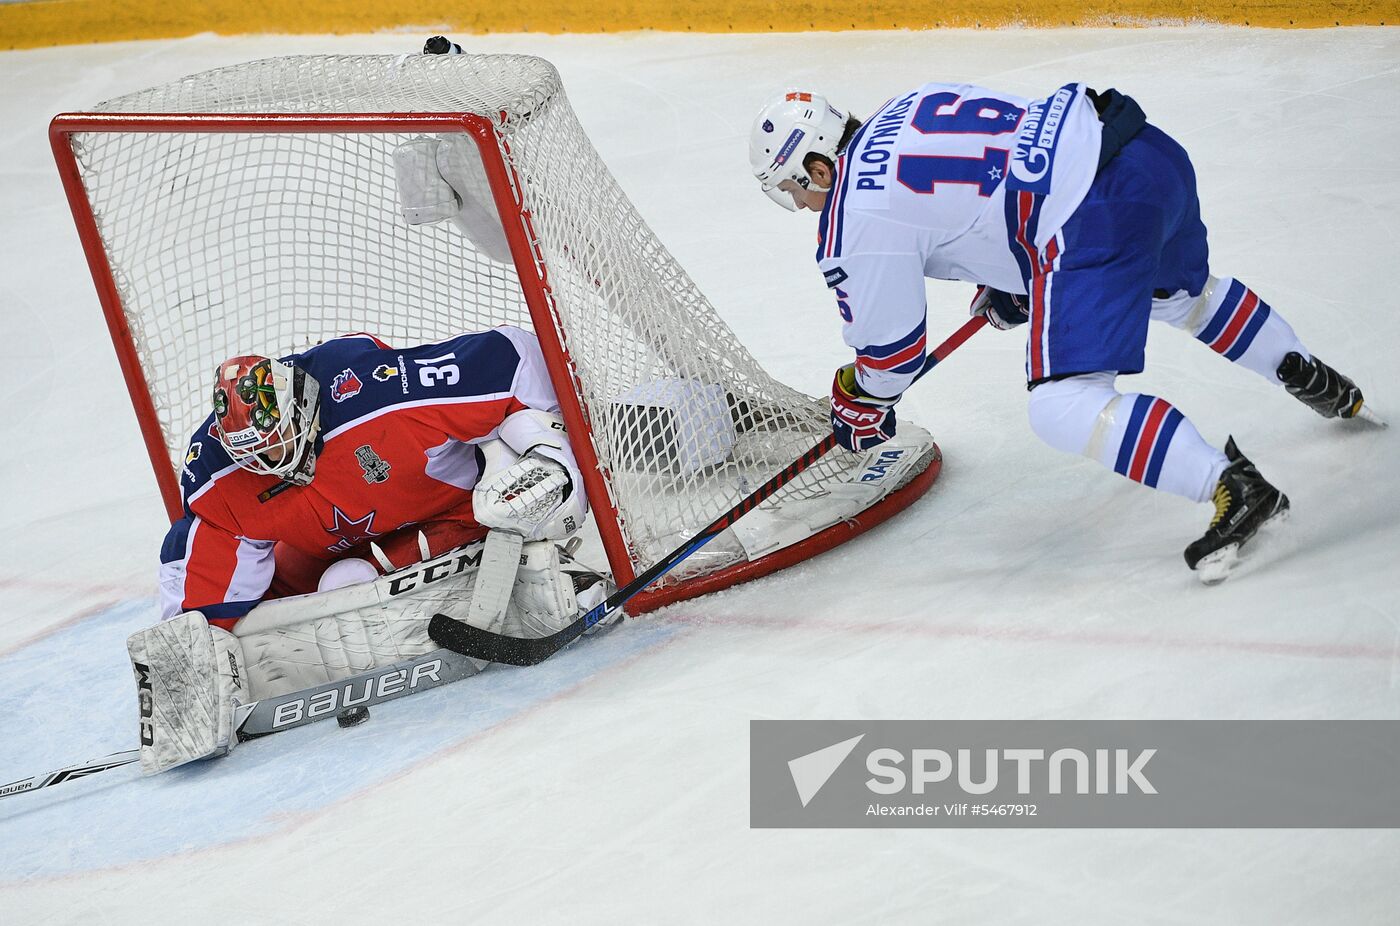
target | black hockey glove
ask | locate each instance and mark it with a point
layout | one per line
(1003, 310)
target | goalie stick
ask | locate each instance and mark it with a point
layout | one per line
(295, 709)
(527, 651)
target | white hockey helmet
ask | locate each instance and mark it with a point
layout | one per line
(792, 125)
(267, 416)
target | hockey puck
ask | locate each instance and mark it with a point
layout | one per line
(352, 716)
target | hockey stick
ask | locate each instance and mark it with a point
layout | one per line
(59, 776)
(521, 651)
(296, 709)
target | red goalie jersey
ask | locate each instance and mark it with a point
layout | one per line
(398, 452)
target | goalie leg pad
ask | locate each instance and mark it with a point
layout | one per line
(459, 163)
(190, 682)
(543, 600)
(330, 648)
(424, 196)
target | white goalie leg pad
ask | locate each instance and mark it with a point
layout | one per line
(330, 648)
(543, 600)
(459, 163)
(495, 579)
(424, 196)
(191, 682)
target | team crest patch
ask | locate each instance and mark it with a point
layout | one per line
(351, 531)
(345, 385)
(376, 470)
(384, 372)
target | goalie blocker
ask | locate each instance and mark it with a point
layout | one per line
(195, 682)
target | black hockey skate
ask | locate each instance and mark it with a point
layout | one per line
(1244, 502)
(591, 586)
(1320, 387)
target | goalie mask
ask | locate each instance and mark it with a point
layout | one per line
(267, 416)
(791, 126)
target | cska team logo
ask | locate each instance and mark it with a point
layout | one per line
(345, 385)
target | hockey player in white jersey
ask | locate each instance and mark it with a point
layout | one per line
(1077, 219)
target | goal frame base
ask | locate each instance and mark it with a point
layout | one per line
(813, 546)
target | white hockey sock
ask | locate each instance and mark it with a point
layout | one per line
(1231, 319)
(1139, 436)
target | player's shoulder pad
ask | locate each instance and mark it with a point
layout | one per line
(479, 363)
(205, 461)
(358, 374)
(359, 378)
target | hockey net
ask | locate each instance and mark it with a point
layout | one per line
(253, 209)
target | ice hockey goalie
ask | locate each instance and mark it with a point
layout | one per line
(313, 488)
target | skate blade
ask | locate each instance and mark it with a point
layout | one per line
(1240, 559)
(1364, 413)
(1216, 567)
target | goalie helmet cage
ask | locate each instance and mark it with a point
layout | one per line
(253, 208)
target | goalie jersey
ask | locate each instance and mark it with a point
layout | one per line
(398, 446)
(953, 182)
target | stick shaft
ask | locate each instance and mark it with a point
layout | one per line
(493, 647)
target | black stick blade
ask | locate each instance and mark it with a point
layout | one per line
(493, 647)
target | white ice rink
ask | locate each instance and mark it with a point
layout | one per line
(610, 784)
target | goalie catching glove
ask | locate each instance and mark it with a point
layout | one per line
(530, 484)
(859, 420)
(1003, 310)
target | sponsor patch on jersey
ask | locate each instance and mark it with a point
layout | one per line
(376, 470)
(345, 385)
(835, 277)
(1033, 160)
(384, 372)
(190, 456)
(268, 495)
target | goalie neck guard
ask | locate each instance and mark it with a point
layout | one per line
(267, 415)
(791, 126)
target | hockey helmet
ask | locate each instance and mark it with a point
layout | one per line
(267, 416)
(792, 125)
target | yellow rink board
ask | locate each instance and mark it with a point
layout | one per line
(34, 23)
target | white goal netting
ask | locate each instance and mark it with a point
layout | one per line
(268, 240)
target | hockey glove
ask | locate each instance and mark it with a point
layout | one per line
(859, 420)
(1003, 310)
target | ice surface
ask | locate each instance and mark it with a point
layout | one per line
(611, 784)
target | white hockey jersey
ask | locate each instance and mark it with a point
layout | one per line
(946, 181)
